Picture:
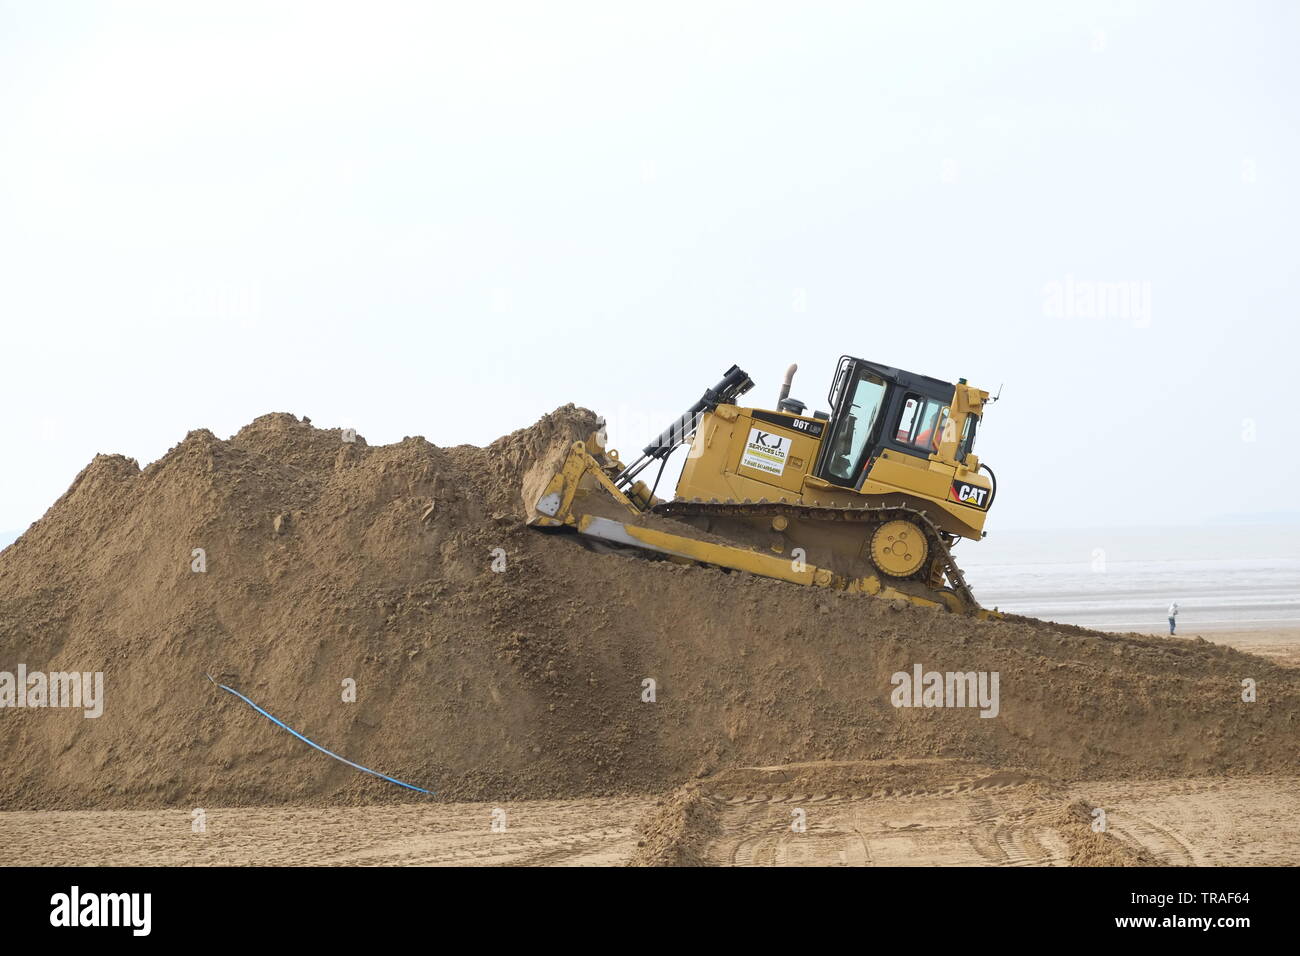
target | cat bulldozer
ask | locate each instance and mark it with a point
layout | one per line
(868, 497)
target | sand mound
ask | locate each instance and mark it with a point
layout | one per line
(328, 560)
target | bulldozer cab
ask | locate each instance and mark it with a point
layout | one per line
(876, 408)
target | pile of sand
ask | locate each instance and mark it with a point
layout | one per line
(329, 560)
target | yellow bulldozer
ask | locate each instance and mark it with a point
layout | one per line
(868, 497)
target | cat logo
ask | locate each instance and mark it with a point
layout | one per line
(972, 495)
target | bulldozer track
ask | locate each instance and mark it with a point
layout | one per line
(870, 515)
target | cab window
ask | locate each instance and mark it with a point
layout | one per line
(921, 422)
(967, 437)
(855, 425)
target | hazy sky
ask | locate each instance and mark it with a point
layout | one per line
(447, 219)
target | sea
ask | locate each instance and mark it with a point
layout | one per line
(1224, 577)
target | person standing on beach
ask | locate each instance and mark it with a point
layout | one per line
(1173, 613)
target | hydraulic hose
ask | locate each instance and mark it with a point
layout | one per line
(993, 492)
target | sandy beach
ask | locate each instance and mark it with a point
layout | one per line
(1278, 644)
(959, 817)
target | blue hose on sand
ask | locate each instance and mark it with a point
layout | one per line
(313, 743)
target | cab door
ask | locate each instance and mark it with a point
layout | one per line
(859, 400)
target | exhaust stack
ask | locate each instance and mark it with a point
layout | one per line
(785, 386)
